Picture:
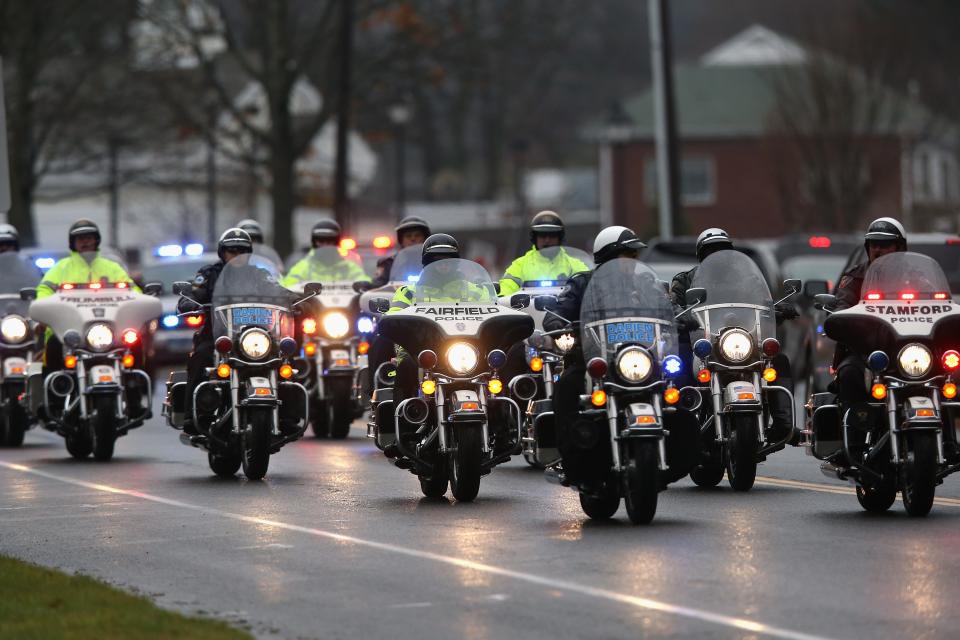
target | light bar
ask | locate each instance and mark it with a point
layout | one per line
(170, 321)
(546, 283)
(382, 242)
(193, 249)
(413, 278)
(819, 242)
(348, 244)
(45, 263)
(169, 251)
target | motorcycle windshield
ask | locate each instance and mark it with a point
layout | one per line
(626, 304)
(407, 265)
(737, 295)
(905, 276)
(18, 273)
(454, 280)
(554, 265)
(268, 253)
(247, 294)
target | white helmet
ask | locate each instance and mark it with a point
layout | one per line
(712, 237)
(612, 241)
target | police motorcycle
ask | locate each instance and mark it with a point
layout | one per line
(459, 336)
(543, 353)
(251, 406)
(632, 423)
(99, 394)
(18, 347)
(335, 343)
(906, 328)
(732, 361)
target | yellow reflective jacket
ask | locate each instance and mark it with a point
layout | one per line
(76, 269)
(533, 265)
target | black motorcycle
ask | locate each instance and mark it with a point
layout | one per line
(906, 329)
(18, 347)
(250, 406)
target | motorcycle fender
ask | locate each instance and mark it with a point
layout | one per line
(465, 400)
(740, 392)
(14, 368)
(920, 411)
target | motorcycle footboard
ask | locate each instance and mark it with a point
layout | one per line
(399, 427)
(384, 416)
(780, 444)
(294, 408)
(546, 449)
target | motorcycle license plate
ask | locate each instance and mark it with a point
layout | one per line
(618, 332)
(257, 316)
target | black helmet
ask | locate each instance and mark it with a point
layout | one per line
(412, 222)
(83, 227)
(440, 246)
(712, 239)
(325, 230)
(612, 241)
(9, 235)
(253, 228)
(546, 222)
(886, 230)
(236, 239)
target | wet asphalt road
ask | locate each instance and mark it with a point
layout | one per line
(338, 543)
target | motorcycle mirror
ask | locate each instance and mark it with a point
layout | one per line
(28, 293)
(824, 300)
(542, 303)
(153, 288)
(520, 301)
(792, 286)
(312, 289)
(181, 288)
(814, 288)
(379, 305)
(695, 296)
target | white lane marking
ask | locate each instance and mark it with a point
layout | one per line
(529, 578)
(411, 605)
(272, 545)
(838, 489)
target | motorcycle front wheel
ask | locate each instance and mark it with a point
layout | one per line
(102, 427)
(920, 474)
(465, 467)
(15, 422)
(341, 409)
(642, 481)
(741, 452)
(255, 444)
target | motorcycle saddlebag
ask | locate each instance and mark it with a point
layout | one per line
(826, 425)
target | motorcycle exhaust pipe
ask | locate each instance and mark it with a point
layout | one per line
(61, 384)
(523, 388)
(690, 399)
(415, 411)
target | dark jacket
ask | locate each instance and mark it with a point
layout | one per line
(678, 288)
(848, 292)
(202, 292)
(568, 302)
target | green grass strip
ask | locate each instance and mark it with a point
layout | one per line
(50, 605)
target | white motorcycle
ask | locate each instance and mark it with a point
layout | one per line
(18, 347)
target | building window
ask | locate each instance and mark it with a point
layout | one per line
(697, 181)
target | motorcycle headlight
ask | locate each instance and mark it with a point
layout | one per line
(255, 343)
(565, 342)
(100, 337)
(14, 329)
(736, 345)
(634, 364)
(915, 360)
(462, 358)
(336, 325)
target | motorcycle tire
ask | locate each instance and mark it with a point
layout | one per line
(255, 444)
(341, 409)
(224, 465)
(879, 497)
(15, 425)
(436, 485)
(79, 446)
(601, 507)
(707, 475)
(102, 427)
(319, 417)
(920, 474)
(465, 469)
(642, 481)
(533, 462)
(741, 452)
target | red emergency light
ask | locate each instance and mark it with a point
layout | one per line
(819, 242)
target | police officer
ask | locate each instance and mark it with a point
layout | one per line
(253, 229)
(610, 243)
(9, 238)
(323, 263)
(83, 265)
(709, 242)
(884, 235)
(233, 242)
(546, 230)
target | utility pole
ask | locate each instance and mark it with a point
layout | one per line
(661, 56)
(211, 174)
(341, 205)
